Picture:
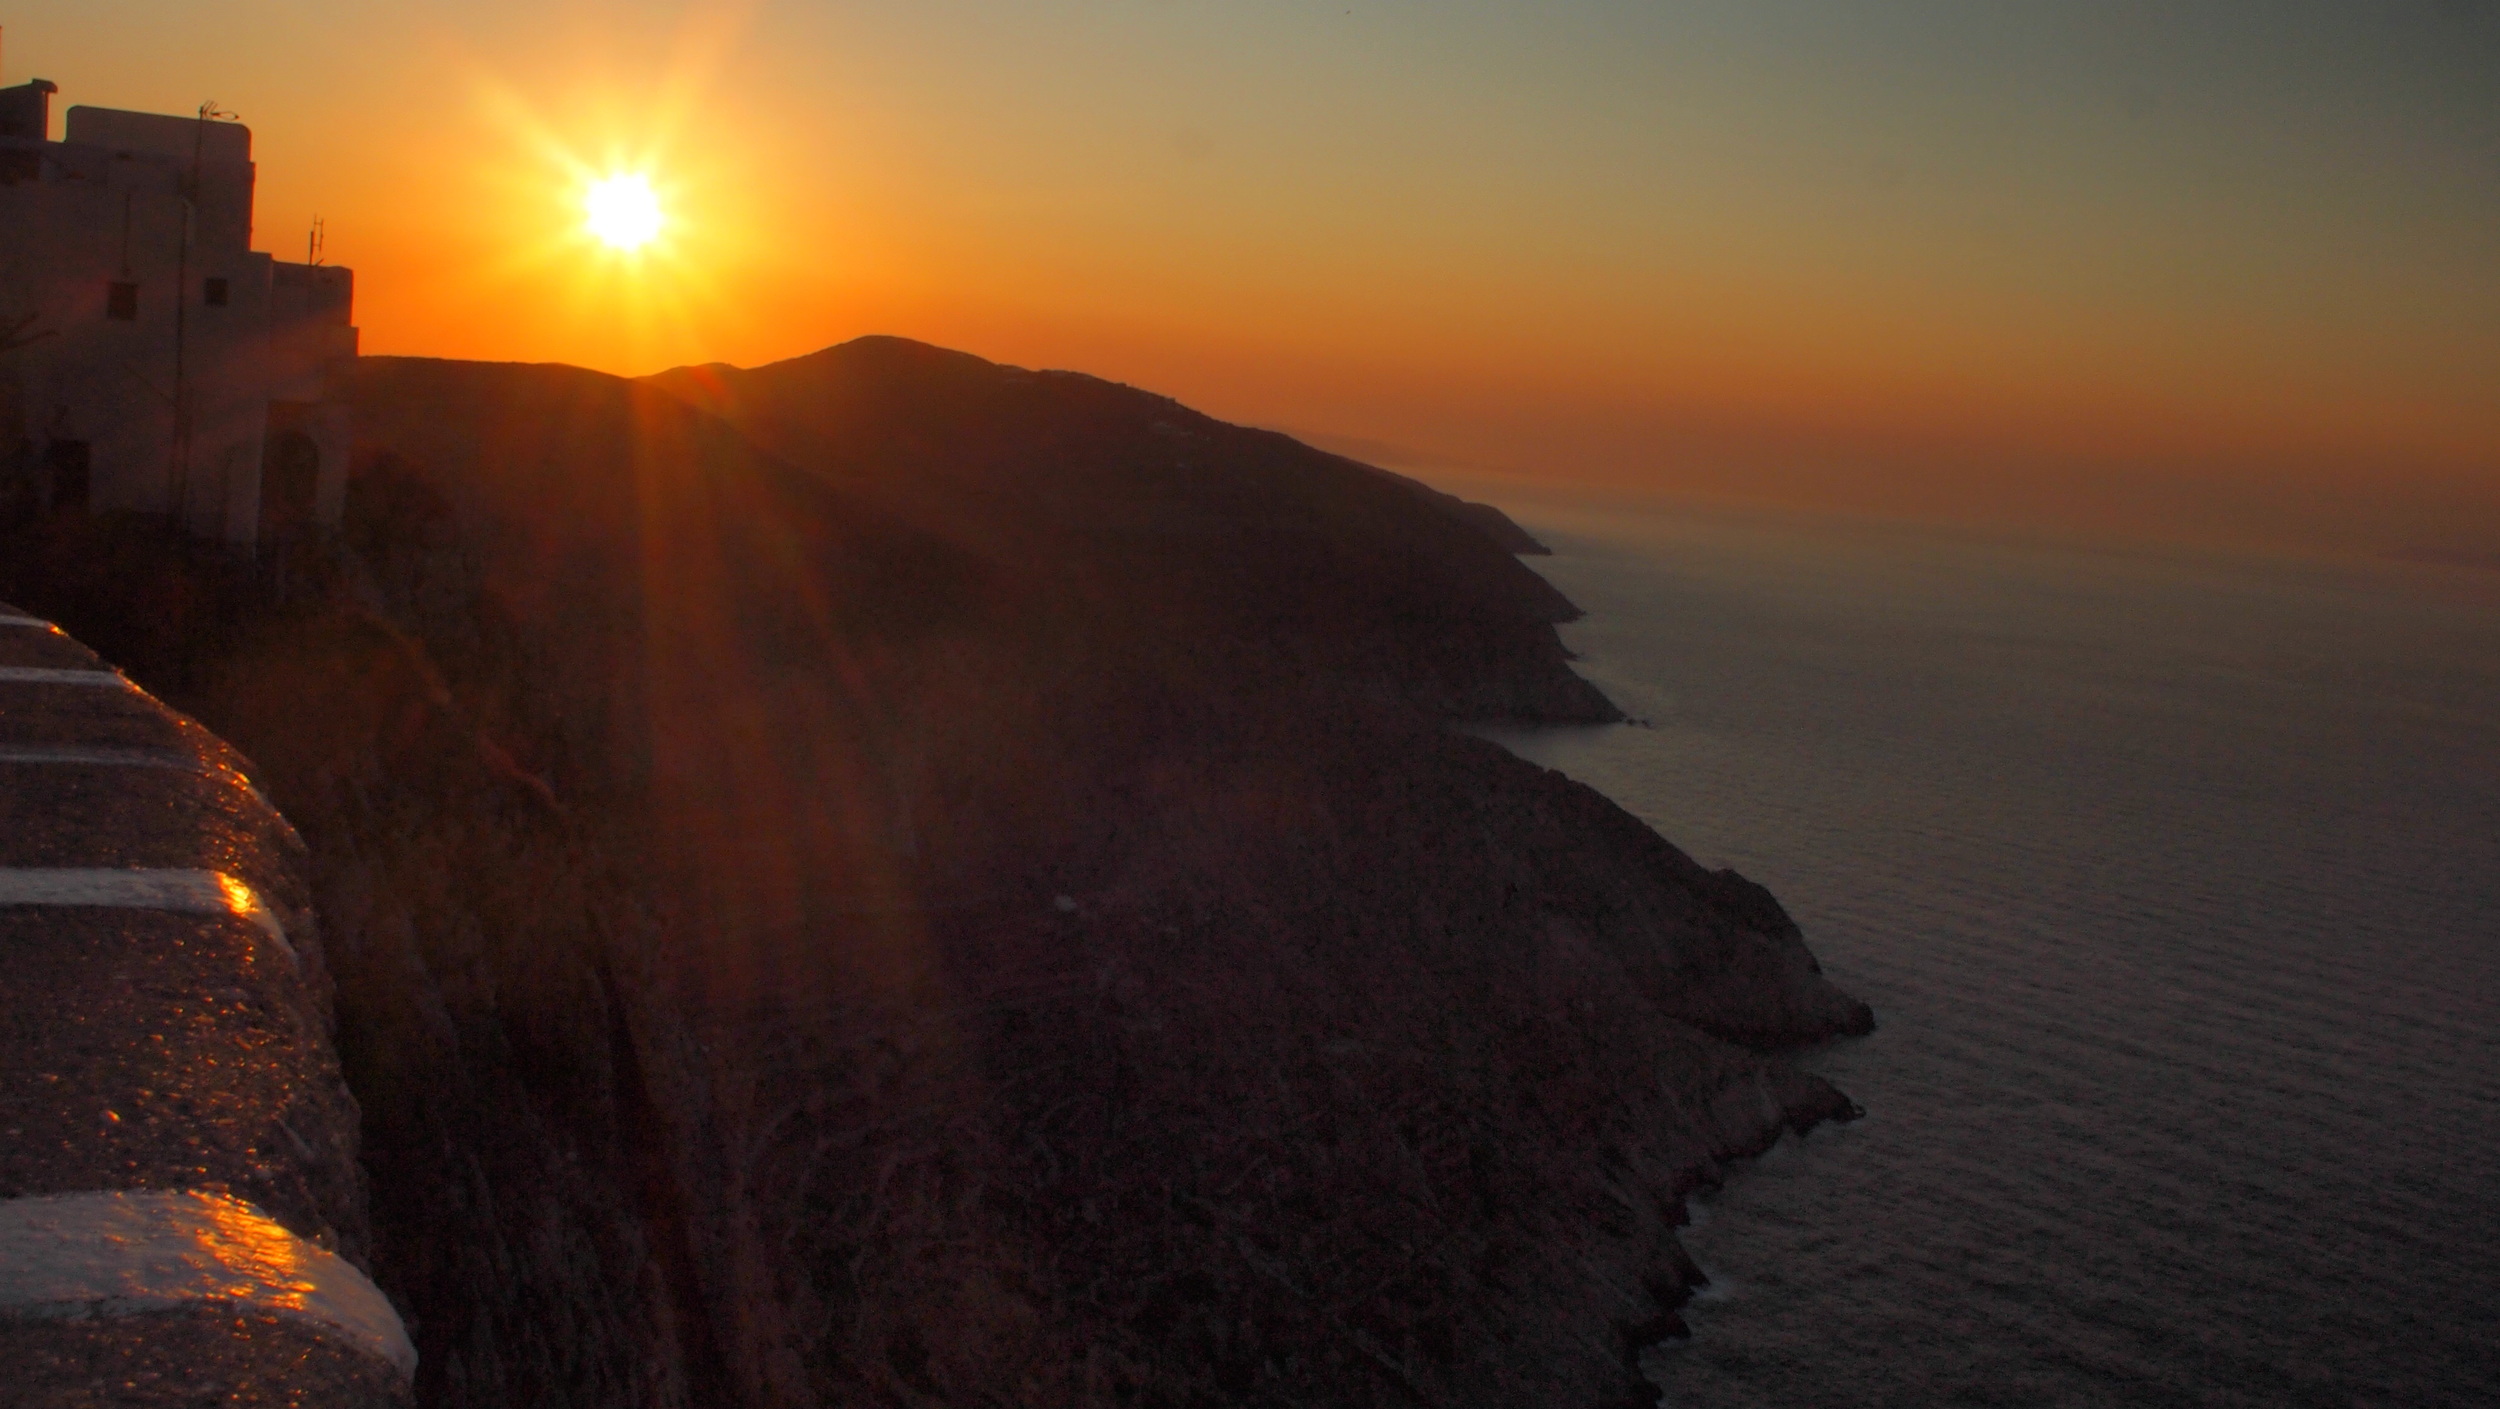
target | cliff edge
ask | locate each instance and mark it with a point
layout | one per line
(892, 879)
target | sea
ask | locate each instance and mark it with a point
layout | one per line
(2174, 880)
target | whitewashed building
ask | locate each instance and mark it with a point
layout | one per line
(150, 359)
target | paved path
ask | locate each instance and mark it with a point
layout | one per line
(181, 1215)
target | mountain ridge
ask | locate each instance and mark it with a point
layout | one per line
(969, 890)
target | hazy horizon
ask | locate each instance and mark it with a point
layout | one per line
(2226, 272)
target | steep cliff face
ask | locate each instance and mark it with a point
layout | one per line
(1291, 1099)
(890, 879)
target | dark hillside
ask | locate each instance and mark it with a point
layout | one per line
(978, 901)
(1132, 503)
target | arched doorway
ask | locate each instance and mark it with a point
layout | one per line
(290, 475)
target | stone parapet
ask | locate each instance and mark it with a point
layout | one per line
(182, 1215)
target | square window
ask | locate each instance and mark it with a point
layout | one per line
(122, 303)
(214, 293)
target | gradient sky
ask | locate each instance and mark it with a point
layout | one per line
(2178, 269)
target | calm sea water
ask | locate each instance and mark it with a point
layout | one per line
(2175, 884)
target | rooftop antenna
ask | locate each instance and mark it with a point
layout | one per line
(315, 242)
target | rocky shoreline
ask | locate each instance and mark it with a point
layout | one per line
(889, 879)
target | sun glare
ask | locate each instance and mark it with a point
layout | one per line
(622, 248)
(624, 214)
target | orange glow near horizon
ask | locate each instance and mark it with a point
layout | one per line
(1678, 247)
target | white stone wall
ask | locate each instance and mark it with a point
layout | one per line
(108, 207)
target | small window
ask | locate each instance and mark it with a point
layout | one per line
(123, 303)
(214, 293)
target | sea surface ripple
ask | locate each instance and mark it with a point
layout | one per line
(2175, 884)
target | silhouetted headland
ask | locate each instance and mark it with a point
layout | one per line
(887, 879)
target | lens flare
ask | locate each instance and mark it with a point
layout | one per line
(623, 212)
(607, 237)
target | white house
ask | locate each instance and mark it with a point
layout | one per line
(150, 359)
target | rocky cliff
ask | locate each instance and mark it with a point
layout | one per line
(889, 879)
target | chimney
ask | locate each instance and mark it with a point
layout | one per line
(26, 110)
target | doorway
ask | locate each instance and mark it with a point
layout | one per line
(290, 476)
(70, 469)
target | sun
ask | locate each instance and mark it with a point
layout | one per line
(623, 212)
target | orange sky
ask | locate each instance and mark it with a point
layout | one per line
(2231, 269)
